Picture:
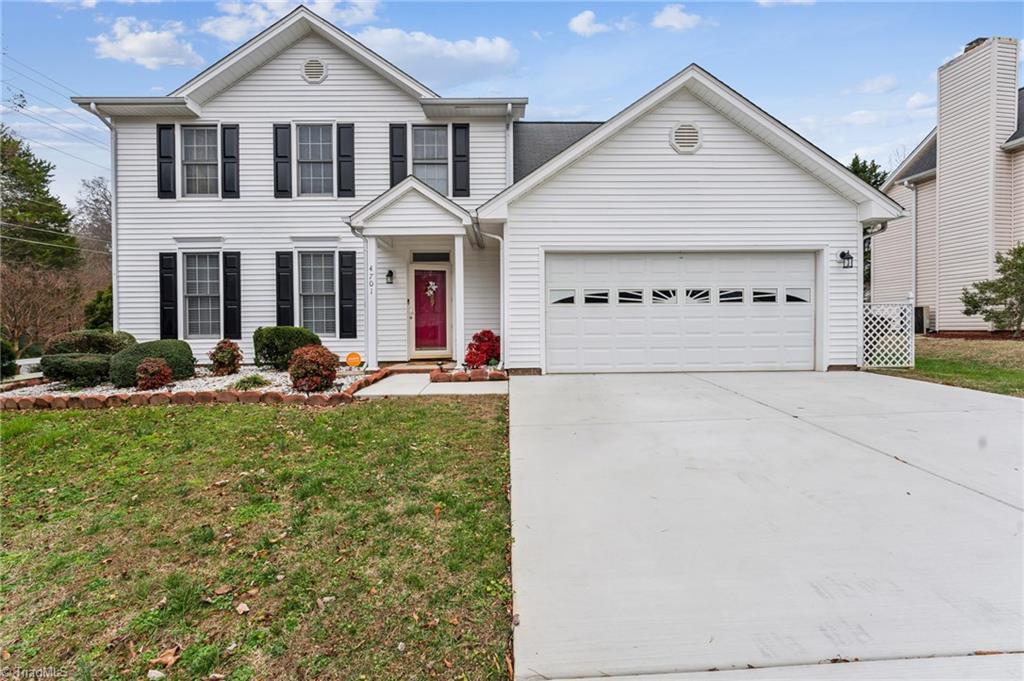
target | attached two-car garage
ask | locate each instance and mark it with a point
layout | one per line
(699, 311)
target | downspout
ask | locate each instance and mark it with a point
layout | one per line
(366, 290)
(501, 292)
(113, 213)
(913, 246)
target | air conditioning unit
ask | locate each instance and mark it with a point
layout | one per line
(922, 319)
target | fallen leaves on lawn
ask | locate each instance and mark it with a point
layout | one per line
(241, 608)
(168, 657)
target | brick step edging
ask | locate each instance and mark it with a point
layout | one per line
(438, 376)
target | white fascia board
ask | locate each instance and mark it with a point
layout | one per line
(911, 157)
(327, 30)
(496, 207)
(409, 184)
(875, 212)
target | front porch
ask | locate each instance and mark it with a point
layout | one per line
(429, 285)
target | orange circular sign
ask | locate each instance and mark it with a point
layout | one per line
(353, 359)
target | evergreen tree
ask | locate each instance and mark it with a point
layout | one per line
(869, 171)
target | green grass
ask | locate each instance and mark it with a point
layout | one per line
(369, 541)
(995, 366)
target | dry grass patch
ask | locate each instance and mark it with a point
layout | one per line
(369, 541)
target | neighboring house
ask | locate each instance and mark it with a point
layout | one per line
(305, 180)
(963, 187)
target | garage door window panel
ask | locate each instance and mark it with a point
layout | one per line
(562, 296)
(698, 296)
(798, 295)
(595, 296)
(764, 295)
(664, 296)
(630, 296)
(730, 295)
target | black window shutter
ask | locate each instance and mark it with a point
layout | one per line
(282, 161)
(168, 295)
(232, 294)
(347, 299)
(460, 159)
(165, 161)
(399, 165)
(229, 162)
(346, 160)
(285, 308)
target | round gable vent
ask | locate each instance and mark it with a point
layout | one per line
(314, 71)
(686, 138)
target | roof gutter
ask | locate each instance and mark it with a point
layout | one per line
(918, 178)
(1014, 145)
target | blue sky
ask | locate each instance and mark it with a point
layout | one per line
(852, 77)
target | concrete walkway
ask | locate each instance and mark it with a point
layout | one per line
(419, 384)
(671, 524)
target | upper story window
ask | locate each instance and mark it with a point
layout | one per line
(202, 295)
(316, 169)
(199, 160)
(430, 155)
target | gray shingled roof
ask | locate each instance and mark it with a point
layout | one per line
(924, 162)
(1020, 117)
(534, 144)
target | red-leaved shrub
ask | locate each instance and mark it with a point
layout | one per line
(485, 349)
(152, 373)
(313, 368)
(226, 357)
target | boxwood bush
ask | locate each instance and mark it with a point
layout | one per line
(8, 367)
(274, 345)
(89, 341)
(76, 368)
(176, 353)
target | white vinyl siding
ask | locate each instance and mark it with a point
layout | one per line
(257, 224)
(1018, 196)
(202, 295)
(199, 160)
(891, 275)
(635, 193)
(927, 243)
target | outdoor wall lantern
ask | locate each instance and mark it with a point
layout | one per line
(847, 259)
(390, 277)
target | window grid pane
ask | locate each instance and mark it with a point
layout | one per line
(430, 143)
(202, 295)
(199, 159)
(316, 288)
(316, 170)
(434, 174)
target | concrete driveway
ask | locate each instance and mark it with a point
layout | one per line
(671, 523)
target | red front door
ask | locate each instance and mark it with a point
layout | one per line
(430, 310)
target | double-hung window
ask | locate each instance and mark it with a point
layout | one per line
(316, 292)
(199, 160)
(430, 155)
(316, 167)
(202, 295)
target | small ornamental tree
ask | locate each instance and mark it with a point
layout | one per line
(226, 358)
(484, 350)
(1000, 300)
(313, 368)
(152, 373)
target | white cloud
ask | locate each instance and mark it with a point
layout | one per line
(919, 100)
(239, 20)
(674, 18)
(862, 118)
(88, 4)
(138, 41)
(887, 118)
(585, 24)
(439, 61)
(773, 3)
(878, 85)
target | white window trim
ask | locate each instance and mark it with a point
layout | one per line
(297, 288)
(410, 161)
(179, 161)
(212, 248)
(297, 193)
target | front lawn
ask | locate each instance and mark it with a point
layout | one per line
(995, 366)
(369, 541)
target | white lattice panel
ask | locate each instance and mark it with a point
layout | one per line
(888, 335)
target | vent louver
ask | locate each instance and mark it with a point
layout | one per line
(314, 71)
(686, 138)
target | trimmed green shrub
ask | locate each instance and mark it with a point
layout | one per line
(152, 373)
(176, 353)
(8, 367)
(77, 369)
(226, 357)
(250, 382)
(99, 312)
(274, 345)
(313, 368)
(88, 341)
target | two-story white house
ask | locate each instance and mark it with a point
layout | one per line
(303, 179)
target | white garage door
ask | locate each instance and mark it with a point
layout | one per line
(684, 312)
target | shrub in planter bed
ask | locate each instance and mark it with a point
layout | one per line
(226, 357)
(250, 382)
(313, 368)
(89, 341)
(274, 345)
(484, 350)
(76, 368)
(176, 353)
(152, 373)
(8, 367)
